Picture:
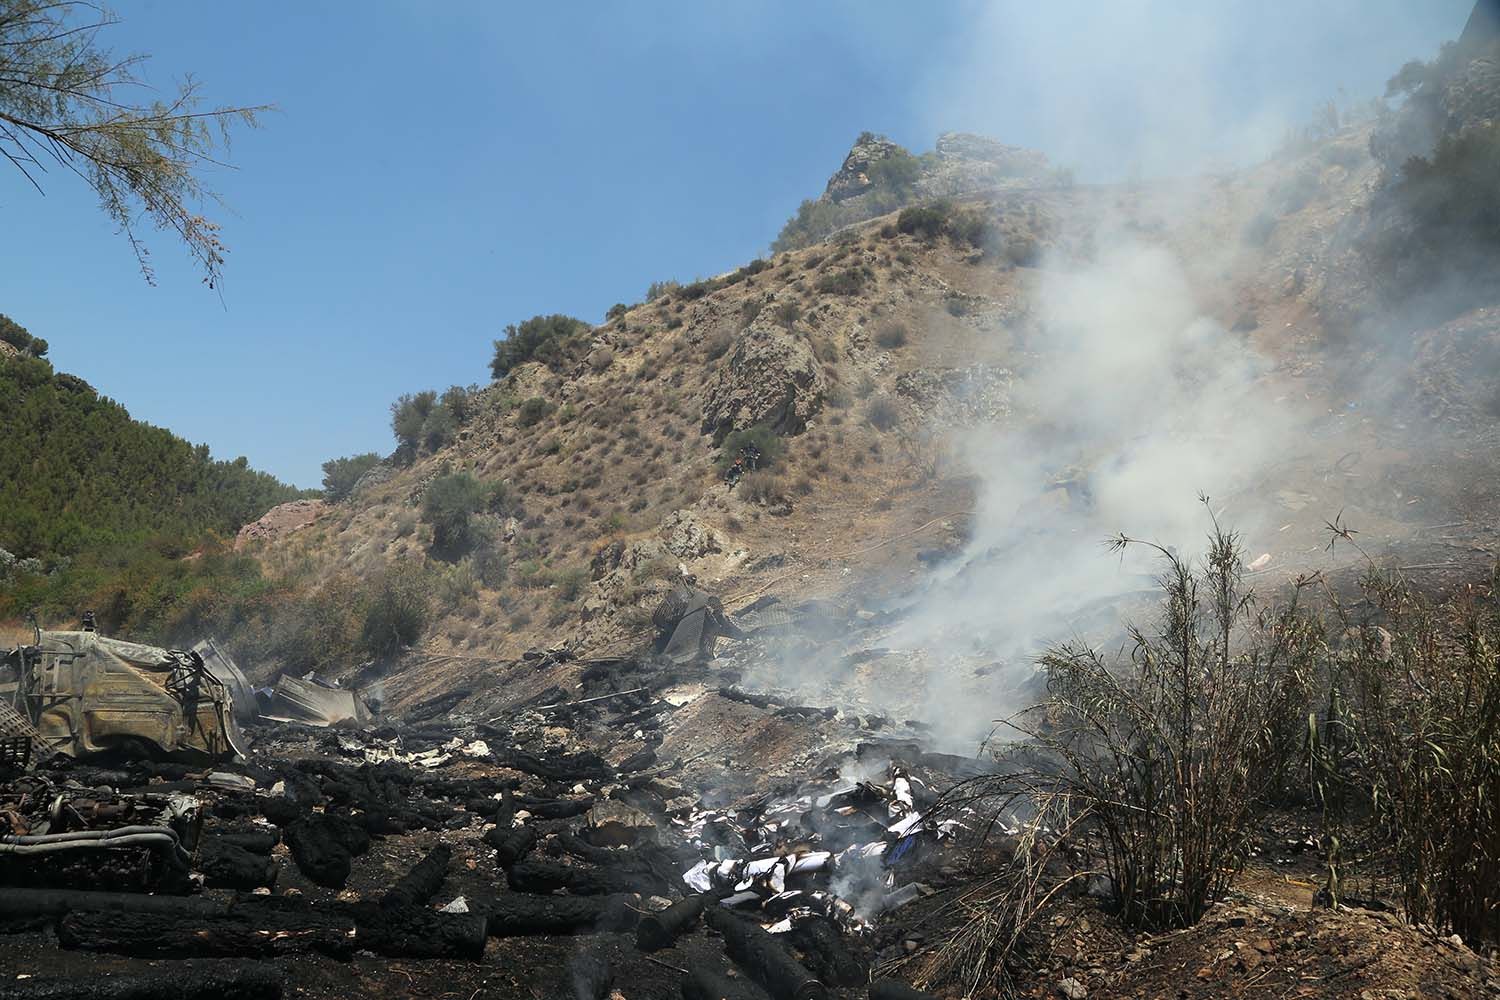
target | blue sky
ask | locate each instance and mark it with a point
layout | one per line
(436, 171)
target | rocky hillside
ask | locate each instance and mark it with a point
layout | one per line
(877, 359)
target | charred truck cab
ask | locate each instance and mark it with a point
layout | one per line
(88, 695)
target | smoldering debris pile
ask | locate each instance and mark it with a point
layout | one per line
(321, 844)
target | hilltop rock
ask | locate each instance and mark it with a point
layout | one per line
(770, 377)
(281, 520)
(853, 177)
(965, 148)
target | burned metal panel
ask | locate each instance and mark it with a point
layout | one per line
(297, 700)
(219, 663)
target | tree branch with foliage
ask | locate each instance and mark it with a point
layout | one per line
(67, 102)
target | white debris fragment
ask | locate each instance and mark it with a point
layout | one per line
(459, 905)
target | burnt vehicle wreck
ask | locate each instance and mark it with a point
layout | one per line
(82, 694)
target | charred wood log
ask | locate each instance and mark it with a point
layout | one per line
(763, 958)
(552, 696)
(417, 932)
(511, 845)
(660, 929)
(422, 882)
(505, 817)
(256, 842)
(589, 976)
(225, 866)
(155, 935)
(324, 845)
(702, 984)
(22, 903)
(746, 698)
(890, 989)
(555, 808)
(827, 954)
(638, 761)
(583, 766)
(183, 981)
(519, 915)
(545, 877)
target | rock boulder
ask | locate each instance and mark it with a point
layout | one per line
(770, 376)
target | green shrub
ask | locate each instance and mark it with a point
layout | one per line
(846, 282)
(1023, 251)
(397, 613)
(570, 583)
(616, 311)
(762, 487)
(20, 338)
(696, 290)
(970, 227)
(532, 411)
(891, 336)
(926, 221)
(449, 505)
(1258, 230)
(548, 339)
(491, 565)
(340, 474)
(661, 289)
(1166, 751)
(424, 422)
(882, 413)
(760, 436)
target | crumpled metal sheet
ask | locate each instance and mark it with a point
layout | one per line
(296, 700)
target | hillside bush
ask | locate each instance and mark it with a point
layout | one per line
(449, 505)
(340, 474)
(532, 411)
(882, 413)
(661, 289)
(762, 486)
(397, 613)
(423, 422)
(850, 281)
(927, 221)
(759, 436)
(548, 339)
(891, 336)
(787, 313)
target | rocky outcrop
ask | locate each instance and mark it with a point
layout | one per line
(281, 520)
(853, 178)
(687, 537)
(958, 396)
(373, 477)
(770, 377)
(981, 154)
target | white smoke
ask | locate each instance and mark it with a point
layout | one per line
(1136, 404)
